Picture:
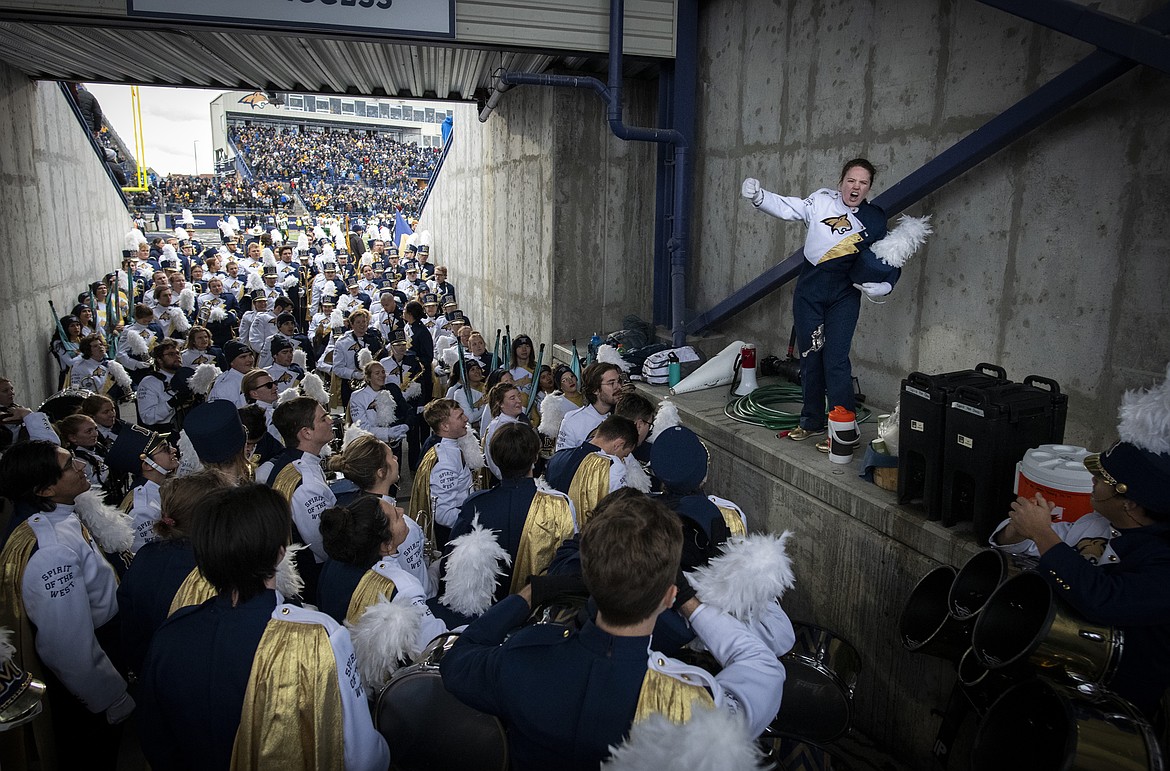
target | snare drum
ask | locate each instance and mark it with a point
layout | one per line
(1041, 725)
(926, 625)
(822, 671)
(427, 728)
(1024, 621)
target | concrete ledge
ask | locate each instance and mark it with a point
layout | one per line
(857, 555)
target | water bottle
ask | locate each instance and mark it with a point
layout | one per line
(674, 370)
(594, 347)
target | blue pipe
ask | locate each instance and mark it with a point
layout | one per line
(611, 94)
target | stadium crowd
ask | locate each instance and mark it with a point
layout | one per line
(338, 171)
(270, 440)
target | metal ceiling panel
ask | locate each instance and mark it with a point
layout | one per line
(99, 49)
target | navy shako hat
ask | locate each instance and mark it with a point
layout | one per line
(133, 445)
(215, 430)
(399, 338)
(430, 298)
(679, 459)
(233, 349)
(259, 294)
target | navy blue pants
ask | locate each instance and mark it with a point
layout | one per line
(825, 299)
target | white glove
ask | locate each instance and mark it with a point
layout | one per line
(872, 289)
(120, 709)
(397, 432)
(752, 191)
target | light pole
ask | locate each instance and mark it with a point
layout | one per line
(195, 146)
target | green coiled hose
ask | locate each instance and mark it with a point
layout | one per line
(761, 407)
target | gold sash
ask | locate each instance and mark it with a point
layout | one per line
(128, 502)
(549, 523)
(370, 589)
(420, 491)
(13, 562)
(590, 484)
(846, 246)
(287, 481)
(292, 717)
(732, 520)
(671, 697)
(195, 590)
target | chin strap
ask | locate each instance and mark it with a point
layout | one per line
(156, 467)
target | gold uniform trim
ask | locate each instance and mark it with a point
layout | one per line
(420, 491)
(14, 560)
(668, 696)
(732, 520)
(372, 587)
(292, 717)
(846, 246)
(548, 524)
(287, 481)
(590, 484)
(195, 590)
(127, 502)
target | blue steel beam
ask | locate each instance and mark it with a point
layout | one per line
(1048, 101)
(1105, 31)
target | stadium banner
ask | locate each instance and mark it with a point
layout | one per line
(375, 18)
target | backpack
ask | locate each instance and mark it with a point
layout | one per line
(656, 368)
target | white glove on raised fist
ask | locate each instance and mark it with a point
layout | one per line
(752, 191)
(874, 289)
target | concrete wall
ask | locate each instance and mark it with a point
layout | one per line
(1049, 258)
(545, 218)
(63, 225)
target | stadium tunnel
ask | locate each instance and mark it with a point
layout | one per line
(1032, 129)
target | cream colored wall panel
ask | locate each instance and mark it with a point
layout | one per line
(581, 25)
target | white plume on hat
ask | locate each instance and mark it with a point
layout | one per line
(472, 451)
(135, 344)
(450, 356)
(286, 395)
(314, 387)
(291, 280)
(218, 313)
(712, 740)
(336, 319)
(751, 572)
(413, 391)
(187, 299)
(120, 377)
(607, 354)
(365, 356)
(1145, 418)
(636, 476)
(353, 431)
(552, 413)
(385, 408)
(384, 635)
(268, 258)
(203, 378)
(181, 234)
(302, 243)
(112, 529)
(300, 358)
(472, 568)
(180, 320)
(903, 241)
(288, 579)
(666, 417)
(133, 239)
(188, 458)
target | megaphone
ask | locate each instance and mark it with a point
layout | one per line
(746, 364)
(718, 371)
